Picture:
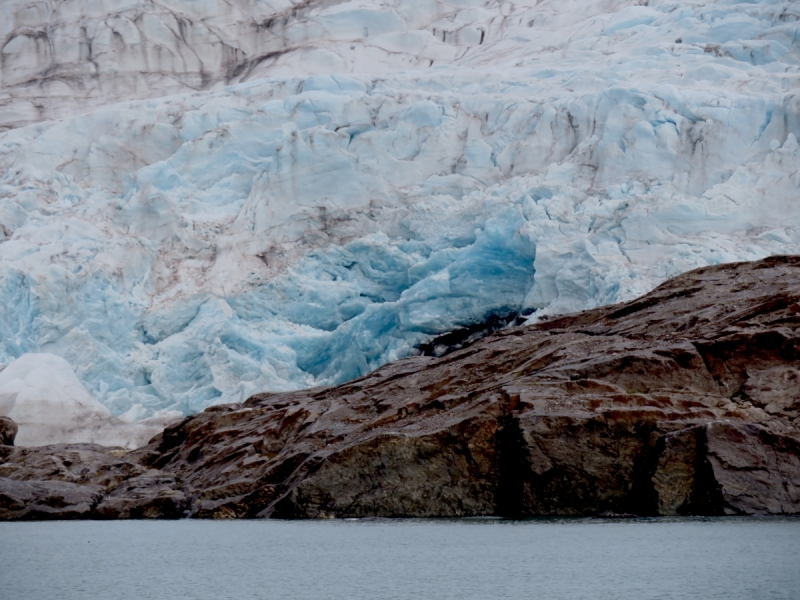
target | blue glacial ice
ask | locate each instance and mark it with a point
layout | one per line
(331, 212)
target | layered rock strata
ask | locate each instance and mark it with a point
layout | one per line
(684, 401)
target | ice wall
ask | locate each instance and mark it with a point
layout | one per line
(60, 58)
(291, 231)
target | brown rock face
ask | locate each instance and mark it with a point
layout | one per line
(78, 481)
(684, 401)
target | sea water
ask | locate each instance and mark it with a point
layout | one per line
(638, 559)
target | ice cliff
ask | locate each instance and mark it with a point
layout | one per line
(241, 196)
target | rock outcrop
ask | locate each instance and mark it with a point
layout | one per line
(685, 401)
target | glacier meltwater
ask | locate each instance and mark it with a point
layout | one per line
(204, 200)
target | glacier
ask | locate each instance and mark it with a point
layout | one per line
(204, 200)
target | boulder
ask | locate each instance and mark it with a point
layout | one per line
(8, 431)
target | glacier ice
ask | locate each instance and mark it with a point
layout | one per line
(44, 397)
(390, 171)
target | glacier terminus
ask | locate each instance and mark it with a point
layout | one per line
(204, 200)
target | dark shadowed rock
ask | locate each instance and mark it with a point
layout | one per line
(685, 401)
(41, 500)
(68, 481)
(8, 431)
(151, 495)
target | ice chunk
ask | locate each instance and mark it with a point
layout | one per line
(41, 393)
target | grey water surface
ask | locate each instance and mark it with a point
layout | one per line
(641, 559)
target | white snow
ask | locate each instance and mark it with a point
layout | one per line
(376, 174)
(44, 397)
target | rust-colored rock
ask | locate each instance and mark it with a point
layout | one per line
(685, 401)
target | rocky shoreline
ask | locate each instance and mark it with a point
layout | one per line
(684, 401)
